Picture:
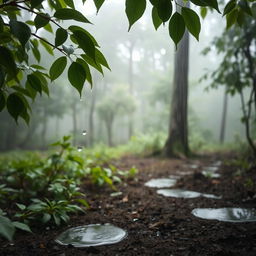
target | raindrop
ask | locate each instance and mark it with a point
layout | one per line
(84, 132)
(79, 148)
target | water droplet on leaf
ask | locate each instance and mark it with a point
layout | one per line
(84, 132)
(79, 148)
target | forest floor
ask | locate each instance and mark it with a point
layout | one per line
(157, 225)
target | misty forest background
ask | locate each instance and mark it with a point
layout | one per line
(132, 102)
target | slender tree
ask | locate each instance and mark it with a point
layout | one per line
(177, 141)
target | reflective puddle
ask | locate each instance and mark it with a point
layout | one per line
(226, 214)
(161, 183)
(211, 174)
(211, 168)
(91, 235)
(180, 193)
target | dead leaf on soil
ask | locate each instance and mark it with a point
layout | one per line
(125, 199)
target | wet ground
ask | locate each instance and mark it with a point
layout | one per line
(159, 225)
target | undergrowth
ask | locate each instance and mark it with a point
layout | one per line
(36, 188)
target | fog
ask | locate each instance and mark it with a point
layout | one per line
(137, 89)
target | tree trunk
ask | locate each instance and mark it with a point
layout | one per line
(130, 78)
(74, 122)
(224, 117)
(30, 132)
(11, 137)
(44, 129)
(57, 128)
(109, 125)
(177, 141)
(91, 119)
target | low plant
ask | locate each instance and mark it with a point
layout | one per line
(47, 189)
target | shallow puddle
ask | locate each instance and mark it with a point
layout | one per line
(91, 235)
(161, 183)
(211, 174)
(180, 193)
(191, 166)
(211, 169)
(226, 214)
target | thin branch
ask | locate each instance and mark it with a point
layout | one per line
(61, 50)
(39, 14)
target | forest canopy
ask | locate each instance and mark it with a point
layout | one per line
(23, 78)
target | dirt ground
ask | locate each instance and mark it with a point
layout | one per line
(157, 225)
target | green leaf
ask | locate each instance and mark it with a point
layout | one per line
(98, 4)
(34, 82)
(15, 105)
(21, 206)
(48, 28)
(2, 100)
(176, 28)
(1, 25)
(101, 59)
(134, 10)
(87, 70)
(41, 20)
(6, 228)
(5, 37)
(21, 31)
(231, 18)
(35, 3)
(70, 14)
(70, 3)
(192, 21)
(22, 90)
(7, 61)
(58, 67)
(229, 7)
(240, 18)
(153, 2)
(44, 82)
(85, 43)
(61, 36)
(210, 3)
(77, 76)
(83, 202)
(36, 53)
(164, 9)
(2, 77)
(75, 28)
(199, 2)
(21, 226)
(245, 7)
(155, 18)
(46, 46)
(92, 63)
(203, 12)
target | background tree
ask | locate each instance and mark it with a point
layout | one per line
(237, 71)
(119, 102)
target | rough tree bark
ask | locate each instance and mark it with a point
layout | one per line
(177, 141)
(224, 117)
